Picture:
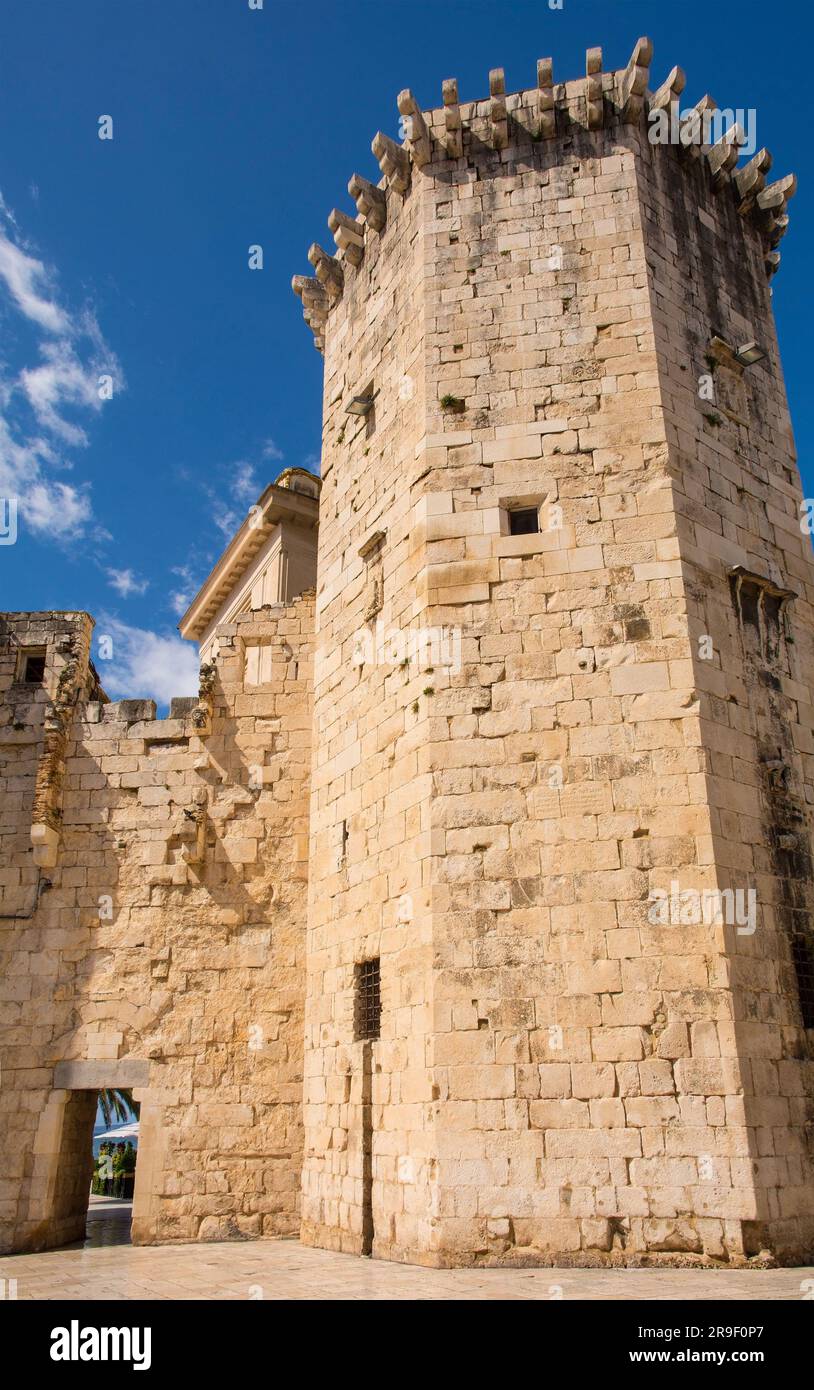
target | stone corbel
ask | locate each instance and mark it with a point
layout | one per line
(417, 133)
(452, 118)
(594, 103)
(349, 236)
(315, 305)
(370, 201)
(328, 271)
(691, 129)
(393, 161)
(634, 80)
(751, 179)
(189, 826)
(201, 716)
(723, 156)
(669, 91)
(44, 845)
(497, 109)
(545, 98)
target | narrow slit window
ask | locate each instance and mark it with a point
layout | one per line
(524, 521)
(367, 1000)
(802, 950)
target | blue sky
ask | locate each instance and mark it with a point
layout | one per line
(129, 257)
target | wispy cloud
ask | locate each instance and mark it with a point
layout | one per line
(45, 404)
(125, 582)
(243, 483)
(28, 282)
(181, 597)
(146, 664)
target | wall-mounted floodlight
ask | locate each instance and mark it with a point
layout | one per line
(749, 353)
(359, 405)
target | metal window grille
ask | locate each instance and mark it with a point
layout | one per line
(368, 1000)
(802, 949)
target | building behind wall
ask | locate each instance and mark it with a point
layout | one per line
(410, 905)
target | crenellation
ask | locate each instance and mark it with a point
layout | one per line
(723, 155)
(315, 305)
(394, 162)
(418, 137)
(349, 236)
(669, 91)
(751, 179)
(371, 203)
(329, 272)
(498, 118)
(633, 81)
(691, 126)
(452, 118)
(594, 101)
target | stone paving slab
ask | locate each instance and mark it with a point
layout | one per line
(280, 1270)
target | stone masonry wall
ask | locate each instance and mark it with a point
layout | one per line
(167, 947)
(370, 800)
(748, 576)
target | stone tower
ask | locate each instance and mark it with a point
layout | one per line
(560, 976)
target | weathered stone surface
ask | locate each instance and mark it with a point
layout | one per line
(166, 951)
(525, 742)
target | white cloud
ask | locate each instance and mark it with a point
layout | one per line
(145, 664)
(60, 510)
(61, 380)
(40, 403)
(56, 509)
(181, 597)
(27, 282)
(180, 600)
(244, 486)
(125, 582)
(226, 520)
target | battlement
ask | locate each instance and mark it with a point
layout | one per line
(508, 124)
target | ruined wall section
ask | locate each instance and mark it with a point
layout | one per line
(168, 953)
(748, 572)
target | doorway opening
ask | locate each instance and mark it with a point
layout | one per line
(115, 1152)
(96, 1173)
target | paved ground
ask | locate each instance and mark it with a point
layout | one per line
(108, 1222)
(287, 1270)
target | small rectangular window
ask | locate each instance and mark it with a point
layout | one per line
(367, 1004)
(524, 521)
(32, 667)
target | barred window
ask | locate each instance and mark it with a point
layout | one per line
(802, 950)
(367, 1004)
